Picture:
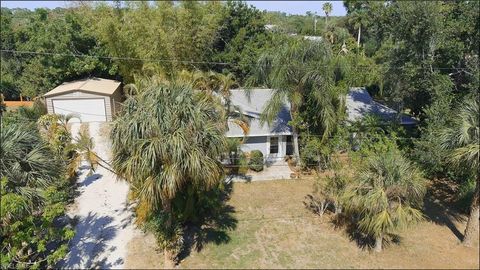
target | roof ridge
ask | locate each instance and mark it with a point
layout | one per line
(83, 84)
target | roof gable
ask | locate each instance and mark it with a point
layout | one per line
(92, 85)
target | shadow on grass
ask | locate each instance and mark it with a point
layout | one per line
(211, 227)
(436, 207)
(363, 241)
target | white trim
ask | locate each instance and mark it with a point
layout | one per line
(259, 135)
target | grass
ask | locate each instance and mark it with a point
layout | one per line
(275, 230)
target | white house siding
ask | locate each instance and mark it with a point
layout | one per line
(262, 143)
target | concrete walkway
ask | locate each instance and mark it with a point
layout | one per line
(104, 222)
(274, 171)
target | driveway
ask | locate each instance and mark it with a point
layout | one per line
(104, 221)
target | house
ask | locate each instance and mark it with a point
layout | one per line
(92, 99)
(275, 141)
(359, 103)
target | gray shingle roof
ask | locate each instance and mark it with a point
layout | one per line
(253, 107)
(359, 104)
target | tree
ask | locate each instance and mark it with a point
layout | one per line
(177, 148)
(386, 195)
(33, 200)
(463, 140)
(327, 8)
(296, 70)
(241, 38)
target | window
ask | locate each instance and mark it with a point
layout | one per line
(289, 150)
(274, 145)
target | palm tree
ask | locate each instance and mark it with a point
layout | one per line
(220, 84)
(297, 69)
(463, 139)
(168, 138)
(385, 197)
(27, 163)
(82, 149)
(327, 8)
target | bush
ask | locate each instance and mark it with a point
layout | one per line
(243, 164)
(256, 161)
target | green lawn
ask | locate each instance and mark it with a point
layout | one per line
(275, 230)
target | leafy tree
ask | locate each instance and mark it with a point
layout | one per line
(178, 148)
(241, 39)
(463, 139)
(61, 32)
(385, 195)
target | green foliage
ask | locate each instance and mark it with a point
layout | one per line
(176, 151)
(34, 194)
(241, 39)
(386, 194)
(58, 31)
(331, 190)
(168, 237)
(256, 161)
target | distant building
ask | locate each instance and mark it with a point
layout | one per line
(359, 104)
(313, 38)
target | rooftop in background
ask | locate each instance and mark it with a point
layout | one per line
(360, 103)
(94, 85)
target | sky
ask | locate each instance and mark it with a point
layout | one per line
(289, 7)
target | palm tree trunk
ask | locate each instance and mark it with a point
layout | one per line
(295, 144)
(169, 262)
(359, 34)
(471, 231)
(293, 113)
(378, 243)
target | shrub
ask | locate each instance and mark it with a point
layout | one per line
(243, 164)
(256, 161)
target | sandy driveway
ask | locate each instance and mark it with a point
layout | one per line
(105, 224)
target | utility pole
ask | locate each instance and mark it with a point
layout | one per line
(315, 23)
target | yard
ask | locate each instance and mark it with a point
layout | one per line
(271, 228)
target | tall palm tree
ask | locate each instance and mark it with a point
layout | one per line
(463, 139)
(327, 8)
(388, 191)
(168, 138)
(297, 69)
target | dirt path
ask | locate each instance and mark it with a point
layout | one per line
(104, 222)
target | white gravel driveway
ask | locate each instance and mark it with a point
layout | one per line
(105, 224)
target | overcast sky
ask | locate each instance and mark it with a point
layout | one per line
(290, 7)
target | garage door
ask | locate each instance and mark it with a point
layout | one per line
(89, 110)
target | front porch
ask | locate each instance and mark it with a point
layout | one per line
(273, 170)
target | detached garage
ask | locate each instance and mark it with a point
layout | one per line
(92, 99)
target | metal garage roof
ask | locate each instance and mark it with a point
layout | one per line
(93, 85)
